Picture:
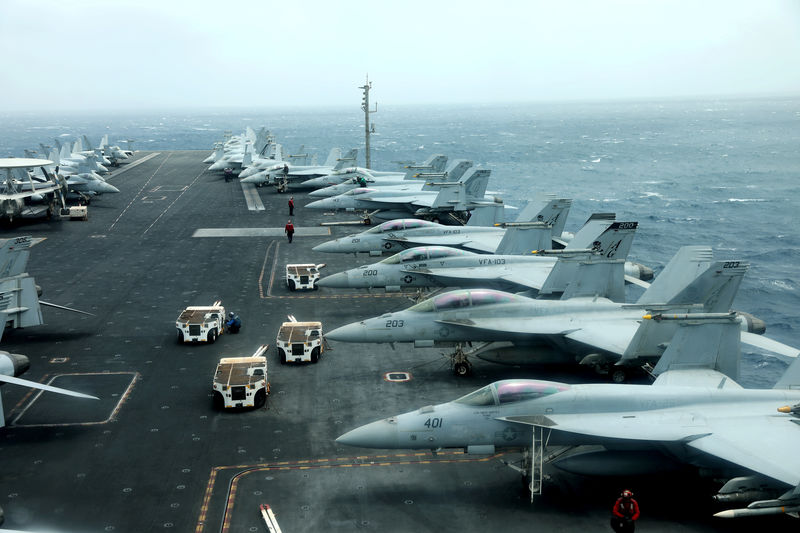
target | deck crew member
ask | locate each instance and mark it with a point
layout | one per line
(625, 513)
(289, 230)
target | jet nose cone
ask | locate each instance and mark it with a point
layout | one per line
(327, 246)
(107, 188)
(355, 332)
(249, 171)
(319, 204)
(380, 434)
(319, 193)
(338, 280)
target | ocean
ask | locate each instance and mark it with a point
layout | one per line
(722, 173)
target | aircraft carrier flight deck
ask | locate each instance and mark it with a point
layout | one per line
(153, 454)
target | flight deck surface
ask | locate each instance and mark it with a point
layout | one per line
(153, 455)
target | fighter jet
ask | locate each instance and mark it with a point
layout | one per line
(297, 175)
(450, 200)
(411, 180)
(693, 414)
(597, 332)
(232, 150)
(480, 234)
(506, 269)
(431, 168)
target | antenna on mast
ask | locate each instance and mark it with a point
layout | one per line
(367, 111)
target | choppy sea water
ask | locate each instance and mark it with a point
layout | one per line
(724, 173)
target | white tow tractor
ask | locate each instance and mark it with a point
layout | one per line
(242, 381)
(302, 276)
(299, 341)
(201, 323)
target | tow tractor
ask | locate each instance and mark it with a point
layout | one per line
(299, 341)
(242, 381)
(302, 276)
(201, 323)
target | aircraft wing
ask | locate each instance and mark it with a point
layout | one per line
(610, 336)
(767, 445)
(765, 343)
(764, 444)
(668, 426)
(527, 276)
(49, 388)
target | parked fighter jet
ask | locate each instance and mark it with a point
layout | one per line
(514, 329)
(693, 414)
(480, 234)
(442, 266)
(433, 166)
(411, 180)
(27, 198)
(298, 175)
(450, 200)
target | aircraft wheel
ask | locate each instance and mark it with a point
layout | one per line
(261, 398)
(618, 375)
(292, 286)
(180, 337)
(461, 369)
(212, 336)
(218, 402)
(315, 355)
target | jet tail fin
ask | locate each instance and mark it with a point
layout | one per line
(521, 239)
(487, 215)
(476, 184)
(14, 255)
(554, 212)
(333, 156)
(714, 288)
(791, 378)
(707, 341)
(436, 162)
(347, 160)
(89, 145)
(597, 274)
(604, 278)
(594, 226)
(247, 157)
(685, 266)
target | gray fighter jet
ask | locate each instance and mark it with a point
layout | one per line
(398, 202)
(297, 175)
(434, 165)
(507, 270)
(412, 179)
(693, 414)
(514, 329)
(481, 233)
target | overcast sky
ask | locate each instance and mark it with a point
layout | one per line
(144, 54)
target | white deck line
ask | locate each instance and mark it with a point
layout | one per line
(251, 197)
(259, 232)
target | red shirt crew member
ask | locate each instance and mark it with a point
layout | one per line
(289, 229)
